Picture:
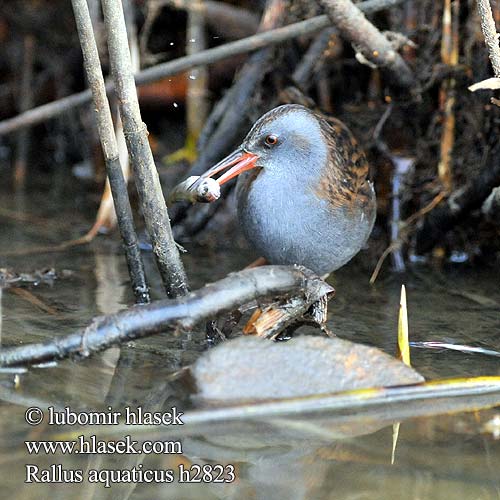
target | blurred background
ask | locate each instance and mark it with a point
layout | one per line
(432, 147)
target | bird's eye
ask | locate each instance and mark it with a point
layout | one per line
(271, 140)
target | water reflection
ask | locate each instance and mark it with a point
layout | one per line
(111, 285)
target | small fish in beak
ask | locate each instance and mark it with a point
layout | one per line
(204, 188)
(196, 189)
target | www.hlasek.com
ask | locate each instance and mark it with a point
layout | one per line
(84, 444)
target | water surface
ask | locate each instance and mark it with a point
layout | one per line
(451, 456)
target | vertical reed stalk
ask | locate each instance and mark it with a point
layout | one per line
(145, 173)
(196, 98)
(449, 56)
(110, 150)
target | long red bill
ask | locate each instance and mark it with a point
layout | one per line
(239, 161)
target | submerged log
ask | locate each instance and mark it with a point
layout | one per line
(174, 315)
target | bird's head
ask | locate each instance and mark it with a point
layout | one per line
(288, 140)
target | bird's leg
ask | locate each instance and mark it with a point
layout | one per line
(317, 314)
(213, 334)
(216, 333)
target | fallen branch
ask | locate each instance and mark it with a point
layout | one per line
(368, 41)
(210, 56)
(174, 315)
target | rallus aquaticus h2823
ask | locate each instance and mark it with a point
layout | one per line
(303, 192)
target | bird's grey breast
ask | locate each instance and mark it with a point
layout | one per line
(288, 224)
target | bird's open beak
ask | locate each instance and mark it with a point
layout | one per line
(240, 161)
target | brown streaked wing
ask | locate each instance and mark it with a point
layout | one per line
(345, 179)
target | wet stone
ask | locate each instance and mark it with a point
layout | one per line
(249, 368)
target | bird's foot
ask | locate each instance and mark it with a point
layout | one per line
(219, 330)
(327, 332)
(213, 334)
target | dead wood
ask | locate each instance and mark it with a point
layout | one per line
(174, 315)
(368, 41)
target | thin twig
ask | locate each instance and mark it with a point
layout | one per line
(33, 300)
(145, 174)
(110, 151)
(381, 260)
(250, 44)
(429, 207)
(180, 314)
(61, 247)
